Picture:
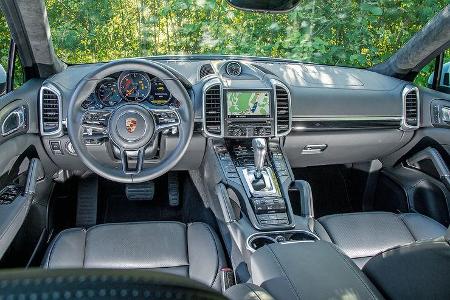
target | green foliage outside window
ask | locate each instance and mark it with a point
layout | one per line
(341, 32)
(5, 38)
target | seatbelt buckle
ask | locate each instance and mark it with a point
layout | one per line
(228, 279)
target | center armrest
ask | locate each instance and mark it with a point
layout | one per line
(309, 270)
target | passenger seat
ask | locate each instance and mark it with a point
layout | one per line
(363, 235)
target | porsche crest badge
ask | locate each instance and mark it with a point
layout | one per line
(131, 124)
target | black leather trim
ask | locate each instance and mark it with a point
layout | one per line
(416, 271)
(355, 271)
(308, 270)
(363, 235)
(247, 291)
(192, 250)
(291, 284)
(100, 284)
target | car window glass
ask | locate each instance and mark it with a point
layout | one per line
(426, 75)
(5, 39)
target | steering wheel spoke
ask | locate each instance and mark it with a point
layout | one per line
(165, 119)
(95, 122)
(130, 127)
(127, 158)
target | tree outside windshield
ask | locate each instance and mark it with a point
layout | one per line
(342, 32)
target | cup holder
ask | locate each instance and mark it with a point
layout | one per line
(258, 240)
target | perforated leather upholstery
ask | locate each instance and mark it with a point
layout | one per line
(191, 250)
(363, 235)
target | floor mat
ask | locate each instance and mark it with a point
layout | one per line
(330, 189)
(115, 207)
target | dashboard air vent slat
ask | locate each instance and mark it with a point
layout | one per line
(411, 107)
(213, 108)
(283, 103)
(50, 111)
(206, 70)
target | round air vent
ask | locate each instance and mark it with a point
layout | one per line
(234, 68)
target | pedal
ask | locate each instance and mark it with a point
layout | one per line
(140, 191)
(87, 202)
(174, 194)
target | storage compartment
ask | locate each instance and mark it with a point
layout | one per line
(258, 240)
(314, 270)
(341, 146)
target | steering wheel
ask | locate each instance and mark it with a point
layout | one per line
(130, 127)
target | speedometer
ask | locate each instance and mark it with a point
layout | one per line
(108, 93)
(134, 86)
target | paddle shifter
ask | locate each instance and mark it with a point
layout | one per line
(259, 151)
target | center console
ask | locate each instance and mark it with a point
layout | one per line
(261, 177)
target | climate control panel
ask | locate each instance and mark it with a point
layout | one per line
(249, 129)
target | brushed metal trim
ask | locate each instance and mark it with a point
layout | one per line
(348, 118)
(406, 90)
(53, 89)
(276, 83)
(206, 87)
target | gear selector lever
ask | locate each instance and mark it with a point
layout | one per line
(259, 151)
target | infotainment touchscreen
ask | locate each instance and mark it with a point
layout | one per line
(248, 104)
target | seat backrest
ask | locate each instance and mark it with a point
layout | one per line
(416, 271)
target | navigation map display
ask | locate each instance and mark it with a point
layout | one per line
(247, 104)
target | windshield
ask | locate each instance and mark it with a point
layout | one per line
(352, 33)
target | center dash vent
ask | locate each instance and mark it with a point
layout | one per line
(283, 107)
(212, 110)
(411, 107)
(206, 70)
(50, 111)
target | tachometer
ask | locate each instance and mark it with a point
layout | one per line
(160, 94)
(108, 92)
(134, 86)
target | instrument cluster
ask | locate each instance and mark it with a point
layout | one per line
(129, 86)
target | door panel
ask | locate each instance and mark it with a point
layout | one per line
(24, 186)
(423, 185)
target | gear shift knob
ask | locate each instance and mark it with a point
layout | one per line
(259, 151)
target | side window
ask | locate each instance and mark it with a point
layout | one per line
(426, 76)
(15, 78)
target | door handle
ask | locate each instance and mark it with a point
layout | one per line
(14, 121)
(314, 149)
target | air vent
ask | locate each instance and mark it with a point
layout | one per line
(411, 107)
(283, 107)
(206, 70)
(212, 110)
(50, 111)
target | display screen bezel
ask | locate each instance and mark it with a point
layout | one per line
(248, 91)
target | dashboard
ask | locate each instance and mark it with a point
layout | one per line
(324, 114)
(129, 86)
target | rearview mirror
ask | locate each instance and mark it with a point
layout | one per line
(265, 5)
(2, 80)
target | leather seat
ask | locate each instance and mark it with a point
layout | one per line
(415, 271)
(363, 235)
(191, 250)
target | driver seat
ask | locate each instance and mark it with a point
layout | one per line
(191, 250)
